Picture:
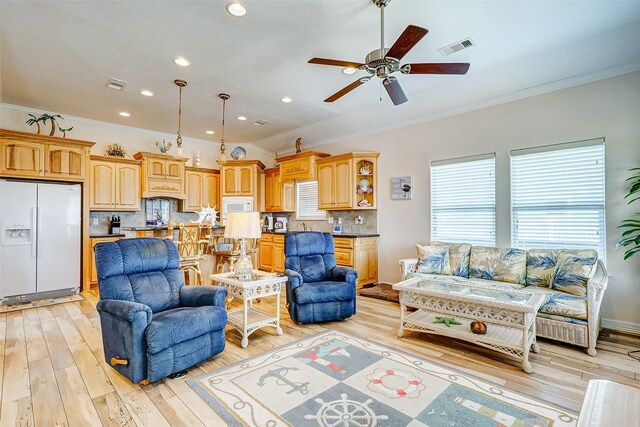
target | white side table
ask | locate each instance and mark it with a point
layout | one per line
(249, 319)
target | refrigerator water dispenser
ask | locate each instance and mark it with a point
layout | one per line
(16, 235)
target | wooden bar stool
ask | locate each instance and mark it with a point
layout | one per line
(192, 242)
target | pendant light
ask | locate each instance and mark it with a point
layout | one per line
(222, 158)
(180, 84)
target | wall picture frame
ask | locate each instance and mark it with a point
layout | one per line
(401, 188)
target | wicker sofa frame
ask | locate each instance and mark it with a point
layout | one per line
(572, 333)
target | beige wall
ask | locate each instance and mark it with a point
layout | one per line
(607, 108)
(132, 139)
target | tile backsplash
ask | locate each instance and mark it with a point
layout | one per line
(369, 225)
(137, 219)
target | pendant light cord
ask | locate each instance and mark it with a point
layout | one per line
(224, 107)
(179, 141)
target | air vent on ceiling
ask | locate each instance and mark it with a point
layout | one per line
(115, 84)
(457, 46)
(260, 122)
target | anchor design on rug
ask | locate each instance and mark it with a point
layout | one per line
(279, 374)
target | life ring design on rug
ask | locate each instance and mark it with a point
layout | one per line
(395, 383)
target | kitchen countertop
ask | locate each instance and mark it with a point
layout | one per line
(348, 235)
(158, 227)
(102, 235)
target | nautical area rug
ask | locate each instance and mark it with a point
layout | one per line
(341, 380)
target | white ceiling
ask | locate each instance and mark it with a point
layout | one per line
(57, 56)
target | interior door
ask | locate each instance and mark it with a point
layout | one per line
(18, 204)
(59, 242)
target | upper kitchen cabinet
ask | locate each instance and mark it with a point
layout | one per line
(300, 166)
(202, 188)
(241, 178)
(278, 196)
(348, 181)
(115, 184)
(45, 157)
(162, 175)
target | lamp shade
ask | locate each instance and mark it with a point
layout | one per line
(243, 225)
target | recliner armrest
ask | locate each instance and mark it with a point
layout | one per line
(295, 278)
(125, 310)
(344, 274)
(199, 296)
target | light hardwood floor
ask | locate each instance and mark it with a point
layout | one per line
(54, 373)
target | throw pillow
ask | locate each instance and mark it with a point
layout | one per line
(433, 260)
(572, 273)
(541, 263)
(458, 257)
(503, 265)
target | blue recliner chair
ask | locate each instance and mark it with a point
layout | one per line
(152, 325)
(318, 290)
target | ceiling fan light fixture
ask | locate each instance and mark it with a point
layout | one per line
(349, 70)
(236, 8)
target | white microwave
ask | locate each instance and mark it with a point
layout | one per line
(235, 204)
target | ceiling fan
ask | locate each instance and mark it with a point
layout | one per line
(385, 61)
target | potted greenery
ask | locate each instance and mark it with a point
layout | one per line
(631, 236)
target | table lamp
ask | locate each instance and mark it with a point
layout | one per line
(242, 226)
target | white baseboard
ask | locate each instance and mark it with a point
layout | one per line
(619, 325)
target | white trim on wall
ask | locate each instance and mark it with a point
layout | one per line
(620, 325)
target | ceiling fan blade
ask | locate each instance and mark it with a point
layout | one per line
(336, 62)
(339, 94)
(438, 68)
(407, 40)
(392, 85)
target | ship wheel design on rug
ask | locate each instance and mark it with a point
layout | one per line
(394, 383)
(345, 412)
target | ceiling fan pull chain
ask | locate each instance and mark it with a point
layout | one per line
(380, 91)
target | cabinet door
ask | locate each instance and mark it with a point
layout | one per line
(174, 170)
(276, 195)
(102, 191)
(211, 190)
(269, 184)
(245, 180)
(127, 187)
(278, 257)
(266, 255)
(64, 162)
(288, 197)
(343, 189)
(229, 181)
(325, 186)
(22, 158)
(194, 186)
(156, 168)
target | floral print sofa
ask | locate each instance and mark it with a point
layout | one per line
(573, 282)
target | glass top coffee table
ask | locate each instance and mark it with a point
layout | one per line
(249, 319)
(510, 315)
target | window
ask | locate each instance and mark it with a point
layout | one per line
(557, 197)
(307, 201)
(463, 200)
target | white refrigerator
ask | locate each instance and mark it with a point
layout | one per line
(40, 239)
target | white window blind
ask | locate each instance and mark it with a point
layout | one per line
(558, 197)
(307, 201)
(463, 200)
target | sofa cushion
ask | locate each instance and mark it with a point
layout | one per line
(324, 292)
(171, 327)
(433, 259)
(541, 264)
(572, 273)
(562, 318)
(504, 265)
(458, 257)
(561, 304)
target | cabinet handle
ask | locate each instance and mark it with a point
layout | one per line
(41, 170)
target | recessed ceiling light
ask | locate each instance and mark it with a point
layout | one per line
(242, 118)
(124, 114)
(236, 8)
(286, 100)
(182, 61)
(210, 132)
(349, 70)
(146, 92)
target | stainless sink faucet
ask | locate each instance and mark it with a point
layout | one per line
(305, 227)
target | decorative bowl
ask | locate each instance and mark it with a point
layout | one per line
(238, 153)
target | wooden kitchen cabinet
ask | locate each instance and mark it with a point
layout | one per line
(45, 157)
(340, 178)
(114, 184)
(300, 166)
(361, 254)
(241, 177)
(278, 196)
(93, 275)
(271, 253)
(202, 188)
(162, 175)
